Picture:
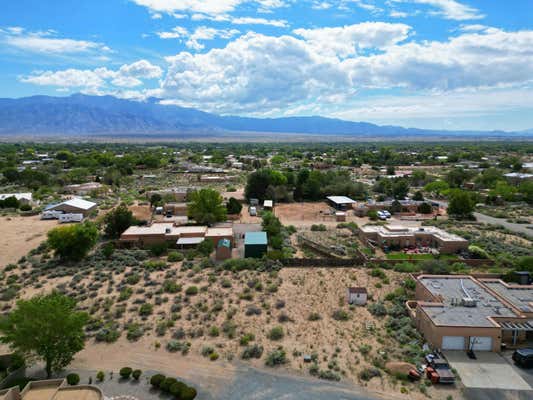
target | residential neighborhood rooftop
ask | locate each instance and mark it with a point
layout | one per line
(450, 291)
(340, 200)
(520, 296)
(251, 238)
(400, 230)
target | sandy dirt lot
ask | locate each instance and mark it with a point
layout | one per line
(142, 213)
(19, 235)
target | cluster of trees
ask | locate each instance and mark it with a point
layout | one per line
(73, 242)
(307, 184)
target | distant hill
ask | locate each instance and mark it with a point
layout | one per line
(107, 115)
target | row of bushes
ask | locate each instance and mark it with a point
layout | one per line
(174, 387)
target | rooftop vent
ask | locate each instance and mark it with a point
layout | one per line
(167, 230)
(468, 302)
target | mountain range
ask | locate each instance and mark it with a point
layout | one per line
(85, 115)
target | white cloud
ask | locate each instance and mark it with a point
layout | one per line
(200, 34)
(208, 7)
(280, 23)
(347, 40)
(449, 9)
(46, 42)
(258, 73)
(128, 75)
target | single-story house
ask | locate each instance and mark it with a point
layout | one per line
(23, 198)
(255, 244)
(52, 389)
(398, 236)
(74, 206)
(459, 312)
(83, 189)
(172, 234)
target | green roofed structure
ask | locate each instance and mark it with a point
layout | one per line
(255, 244)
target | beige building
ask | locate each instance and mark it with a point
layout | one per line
(55, 389)
(464, 313)
(74, 206)
(403, 236)
(171, 234)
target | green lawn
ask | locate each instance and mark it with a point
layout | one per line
(403, 256)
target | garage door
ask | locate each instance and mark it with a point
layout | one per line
(453, 343)
(481, 343)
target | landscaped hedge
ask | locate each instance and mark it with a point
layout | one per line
(174, 387)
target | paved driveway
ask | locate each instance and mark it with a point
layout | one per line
(489, 371)
(517, 228)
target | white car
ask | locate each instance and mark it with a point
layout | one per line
(381, 215)
(387, 214)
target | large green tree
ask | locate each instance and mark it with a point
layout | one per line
(460, 204)
(206, 207)
(46, 327)
(73, 242)
(117, 221)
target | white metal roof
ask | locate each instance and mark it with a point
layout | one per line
(268, 203)
(190, 240)
(340, 200)
(18, 196)
(79, 203)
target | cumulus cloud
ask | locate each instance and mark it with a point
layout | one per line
(257, 72)
(207, 7)
(192, 39)
(449, 9)
(47, 42)
(128, 75)
(347, 40)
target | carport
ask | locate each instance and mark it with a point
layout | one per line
(516, 328)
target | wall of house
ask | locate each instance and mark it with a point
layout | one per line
(434, 334)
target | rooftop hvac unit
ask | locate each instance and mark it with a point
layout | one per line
(468, 302)
(167, 230)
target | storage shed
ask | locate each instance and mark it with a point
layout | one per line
(255, 244)
(357, 295)
(223, 249)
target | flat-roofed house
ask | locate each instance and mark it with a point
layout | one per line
(167, 232)
(74, 206)
(23, 198)
(459, 312)
(398, 236)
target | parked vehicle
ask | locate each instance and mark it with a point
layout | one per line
(381, 215)
(65, 218)
(253, 211)
(523, 358)
(51, 214)
(387, 214)
(438, 370)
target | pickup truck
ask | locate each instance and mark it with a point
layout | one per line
(439, 370)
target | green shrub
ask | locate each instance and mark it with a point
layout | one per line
(156, 380)
(276, 357)
(158, 249)
(146, 309)
(369, 373)
(245, 339)
(276, 333)
(177, 389)
(377, 309)
(318, 228)
(136, 374)
(167, 384)
(254, 351)
(175, 256)
(314, 316)
(73, 379)
(100, 376)
(191, 291)
(340, 315)
(125, 372)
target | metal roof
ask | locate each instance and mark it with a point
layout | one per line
(251, 238)
(190, 240)
(340, 200)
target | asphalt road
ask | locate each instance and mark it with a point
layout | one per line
(517, 228)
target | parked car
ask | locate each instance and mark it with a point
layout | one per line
(523, 358)
(253, 211)
(381, 215)
(387, 214)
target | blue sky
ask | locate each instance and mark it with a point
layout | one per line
(446, 64)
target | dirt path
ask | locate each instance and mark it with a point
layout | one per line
(19, 235)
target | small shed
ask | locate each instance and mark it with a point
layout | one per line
(223, 249)
(340, 216)
(268, 204)
(357, 295)
(255, 244)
